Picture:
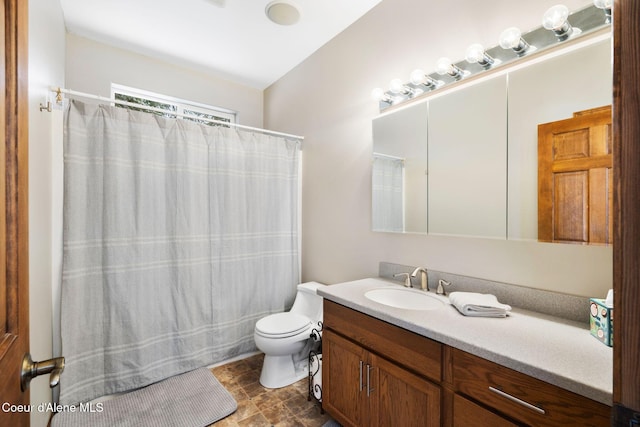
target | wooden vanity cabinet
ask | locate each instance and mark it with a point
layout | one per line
(378, 374)
(362, 387)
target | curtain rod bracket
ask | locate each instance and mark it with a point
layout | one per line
(59, 99)
(46, 107)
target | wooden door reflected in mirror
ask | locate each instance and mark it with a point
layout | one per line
(575, 179)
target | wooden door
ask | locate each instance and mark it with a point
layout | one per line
(14, 281)
(575, 179)
(344, 373)
(626, 250)
(400, 398)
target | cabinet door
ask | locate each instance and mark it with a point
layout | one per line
(400, 398)
(539, 93)
(399, 180)
(343, 380)
(466, 413)
(468, 161)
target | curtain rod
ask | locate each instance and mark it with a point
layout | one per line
(59, 91)
(388, 156)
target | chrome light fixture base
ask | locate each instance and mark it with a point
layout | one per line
(582, 22)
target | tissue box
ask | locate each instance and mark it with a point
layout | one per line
(601, 321)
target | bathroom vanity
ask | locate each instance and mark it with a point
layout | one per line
(387, 366)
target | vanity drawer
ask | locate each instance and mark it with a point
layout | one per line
(522, 397)
(467, 413)
(410, 350)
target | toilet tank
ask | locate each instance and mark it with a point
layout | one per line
(308, 302)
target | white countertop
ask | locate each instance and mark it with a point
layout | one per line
(558, 351)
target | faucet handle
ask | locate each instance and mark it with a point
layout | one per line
(441, 284)
(407, 279)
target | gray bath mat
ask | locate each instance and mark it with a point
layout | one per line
(194, 399)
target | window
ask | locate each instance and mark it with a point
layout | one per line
(182, 109)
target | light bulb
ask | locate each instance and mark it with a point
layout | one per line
(603, 4)
(417, 77)
(475, 53)
(399, 88)
(555, 17)
(396, 86)
(510, 38)
(377, 94)
(444, 66)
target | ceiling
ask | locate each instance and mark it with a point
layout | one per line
(232, 39)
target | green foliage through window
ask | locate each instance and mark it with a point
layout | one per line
(172, 108)
(148, 103)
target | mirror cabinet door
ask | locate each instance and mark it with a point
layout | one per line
(399, 181)
(544, 92)
(468, 161)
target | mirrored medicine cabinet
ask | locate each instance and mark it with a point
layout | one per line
(464, 161)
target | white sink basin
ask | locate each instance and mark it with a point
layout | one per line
(409, 299)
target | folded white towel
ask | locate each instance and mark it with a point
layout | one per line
(479, 305)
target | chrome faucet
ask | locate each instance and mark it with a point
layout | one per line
(424, 282)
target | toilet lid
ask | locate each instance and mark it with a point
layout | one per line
(282, 324)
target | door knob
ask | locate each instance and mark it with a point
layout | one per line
(31, 369)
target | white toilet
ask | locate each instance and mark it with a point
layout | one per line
(285, 338)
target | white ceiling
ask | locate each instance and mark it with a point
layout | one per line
(229, 38)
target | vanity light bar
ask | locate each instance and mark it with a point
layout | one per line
(513, 45)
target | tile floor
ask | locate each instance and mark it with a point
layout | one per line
(259, 406)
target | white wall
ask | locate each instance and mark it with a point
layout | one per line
(326, 99)
(91, 67)
(46, 67)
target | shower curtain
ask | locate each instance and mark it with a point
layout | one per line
(177, 238)
(387, 193)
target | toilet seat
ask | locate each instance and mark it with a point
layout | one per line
(282, 325)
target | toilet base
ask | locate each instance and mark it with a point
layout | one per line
(280, 371)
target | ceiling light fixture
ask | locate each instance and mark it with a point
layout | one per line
(282, 12)
(588, 19)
